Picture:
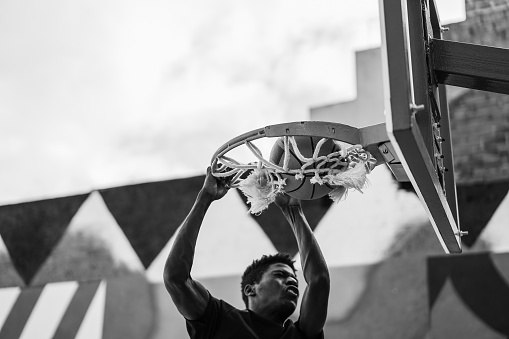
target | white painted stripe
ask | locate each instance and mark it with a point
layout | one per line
(496, 232)
(95, 220)
(8, 267)
(229, 239)
(154, 273)
(8, 297)
(49, 310)
(92, 325)
(361, 229)
(3, 248)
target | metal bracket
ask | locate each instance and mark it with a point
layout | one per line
(393, 162)
(388, 156)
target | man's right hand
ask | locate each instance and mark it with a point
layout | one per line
(216, 188)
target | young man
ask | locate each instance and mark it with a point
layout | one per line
(269, 285)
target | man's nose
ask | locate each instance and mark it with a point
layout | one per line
(292, 281)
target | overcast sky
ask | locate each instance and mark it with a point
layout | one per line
(95, 94)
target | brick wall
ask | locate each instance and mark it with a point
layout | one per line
(480, 120)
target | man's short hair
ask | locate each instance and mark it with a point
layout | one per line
(254, 272)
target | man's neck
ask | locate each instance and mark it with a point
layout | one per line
(270, 314)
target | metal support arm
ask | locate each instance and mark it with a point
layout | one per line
(471, 66)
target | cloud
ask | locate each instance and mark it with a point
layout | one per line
(97, 93)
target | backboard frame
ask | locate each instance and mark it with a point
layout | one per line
(416, 109)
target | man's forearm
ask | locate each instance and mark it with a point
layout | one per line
(180, 260)
(313, 262)
(313, 311)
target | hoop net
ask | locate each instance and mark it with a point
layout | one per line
(261, 180)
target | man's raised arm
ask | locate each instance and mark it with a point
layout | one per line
(190, 296)
(313, 311)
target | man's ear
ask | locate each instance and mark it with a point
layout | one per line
(249, 290)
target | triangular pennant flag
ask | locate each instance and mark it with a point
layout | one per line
(227, 223)
(31, 230)
(9, 276)
(150, 213)
(277, 228)
(476, 205)
(92, 248)
(229, 240)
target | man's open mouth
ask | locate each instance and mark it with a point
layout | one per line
(293, 290)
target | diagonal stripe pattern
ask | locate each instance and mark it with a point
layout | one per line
(150, 213)
(31, 230)
(49, 311)
(20, 312)
(76, 311)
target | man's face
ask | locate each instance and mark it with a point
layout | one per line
(278, 288)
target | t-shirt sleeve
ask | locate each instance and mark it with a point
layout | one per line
(206, 325)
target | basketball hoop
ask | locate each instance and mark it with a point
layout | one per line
(336, 166)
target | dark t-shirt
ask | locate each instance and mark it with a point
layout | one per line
(223, 321)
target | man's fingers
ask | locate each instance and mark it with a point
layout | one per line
(224, 182)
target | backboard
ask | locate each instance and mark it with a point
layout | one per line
(417, 117)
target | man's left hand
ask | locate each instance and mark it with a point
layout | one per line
(283, 200)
